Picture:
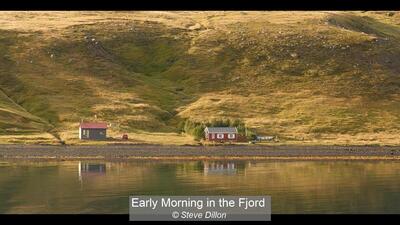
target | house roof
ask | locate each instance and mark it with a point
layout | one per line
(93, 125)
(221, 130)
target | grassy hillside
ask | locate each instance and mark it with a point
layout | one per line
(308, 77)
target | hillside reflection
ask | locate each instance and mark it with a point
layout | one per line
(295, 186)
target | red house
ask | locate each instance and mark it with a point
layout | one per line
(221, 134)
(92, 130)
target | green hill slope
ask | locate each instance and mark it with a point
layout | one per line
(308, 77)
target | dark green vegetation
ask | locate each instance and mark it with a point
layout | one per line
(304, 76)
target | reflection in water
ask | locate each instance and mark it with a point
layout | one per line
(91, 169)
(222, 167)
(295, 186)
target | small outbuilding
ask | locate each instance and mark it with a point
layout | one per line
(221, 134)
(92, 131)
(265, 138)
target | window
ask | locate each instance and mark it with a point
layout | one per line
(220, 136)
(231, 136)
(85, 133)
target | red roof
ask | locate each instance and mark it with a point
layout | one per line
(89, 125)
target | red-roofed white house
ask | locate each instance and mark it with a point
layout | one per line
(92, 131)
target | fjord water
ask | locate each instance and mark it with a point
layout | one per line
(295, 186)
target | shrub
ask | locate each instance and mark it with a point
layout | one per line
(195, 129)
(250, 134)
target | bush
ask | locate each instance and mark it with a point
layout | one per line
(251, 134)
(195, 129)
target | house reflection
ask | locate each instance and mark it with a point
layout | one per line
(86, 169)
(222, 168)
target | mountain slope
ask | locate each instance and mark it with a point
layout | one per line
(14, 118)
(308, 77)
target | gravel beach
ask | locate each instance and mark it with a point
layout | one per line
(197, 152)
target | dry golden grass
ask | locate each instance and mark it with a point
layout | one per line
(33, 138)
(297, 75)
(139, 137)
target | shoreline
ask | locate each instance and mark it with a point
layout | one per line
(222, 152)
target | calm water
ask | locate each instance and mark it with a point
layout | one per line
(295, 186)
